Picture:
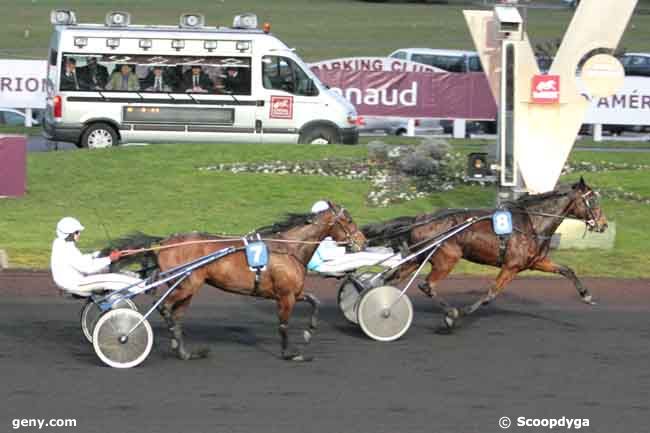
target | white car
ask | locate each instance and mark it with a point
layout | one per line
(12, 117)
(448, 60)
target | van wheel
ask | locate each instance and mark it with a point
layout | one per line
(319, 135)
(99, 136)
(400, 132)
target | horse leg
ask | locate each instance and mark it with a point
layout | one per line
(313, 319)
(547, 265)
(285, 307)
(173, 314)
(503, 279)
(442, 264)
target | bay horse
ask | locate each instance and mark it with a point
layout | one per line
(291, 244)
(534, 218)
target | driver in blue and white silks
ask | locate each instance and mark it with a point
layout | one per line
(78, 273)
(329, 258)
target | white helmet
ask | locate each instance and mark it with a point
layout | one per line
(67, 226)
(320, 206)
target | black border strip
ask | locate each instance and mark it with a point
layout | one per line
(259, 103)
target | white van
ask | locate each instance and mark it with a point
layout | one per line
(448, 60)
(118, 83)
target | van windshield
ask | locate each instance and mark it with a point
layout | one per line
(282, 73)
(138, 73)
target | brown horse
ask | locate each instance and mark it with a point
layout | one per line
(534, 218)
(291, 243)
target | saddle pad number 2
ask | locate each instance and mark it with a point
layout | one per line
(257, 255)
(502, 222)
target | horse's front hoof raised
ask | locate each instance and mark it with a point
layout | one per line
(589, 300)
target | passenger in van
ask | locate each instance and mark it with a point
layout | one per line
(195, 80)
(124, 79)
(237, 81)
(70, 80)
(157, 81)
(94, 74)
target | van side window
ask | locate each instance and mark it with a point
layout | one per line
(399, 55)
(157, 74)
(448, 63)
(281, 73)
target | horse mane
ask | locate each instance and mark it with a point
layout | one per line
(290, 221)
(131, 241)
(528, 200)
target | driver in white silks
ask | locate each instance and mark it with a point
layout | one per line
(81, 274)
(329, 258)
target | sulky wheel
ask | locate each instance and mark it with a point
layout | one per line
(112, 344)
(383, 314)
(91, 312)
(347, 298)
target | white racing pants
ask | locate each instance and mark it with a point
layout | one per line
(110, 282)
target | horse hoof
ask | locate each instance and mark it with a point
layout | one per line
(184, 355)
(589, 300)
(449, 322)
(306, 335)
(298, 358)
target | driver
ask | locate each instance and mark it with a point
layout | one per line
(331, 259)
(81, 274)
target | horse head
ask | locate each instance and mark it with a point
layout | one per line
(586, 206)
(341, 226)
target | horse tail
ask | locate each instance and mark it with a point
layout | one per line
(381, 233)
(147, 259)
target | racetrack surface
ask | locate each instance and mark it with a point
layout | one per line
(537, 352)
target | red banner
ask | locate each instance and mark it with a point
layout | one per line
(413, 94)
(12, 165)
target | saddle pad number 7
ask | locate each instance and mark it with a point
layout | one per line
(502, 222)
(257, 255)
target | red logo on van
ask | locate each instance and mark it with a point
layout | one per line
(545, 89)
(281, 107)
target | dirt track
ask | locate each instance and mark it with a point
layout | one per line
(537, 352)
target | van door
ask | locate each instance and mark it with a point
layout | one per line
(290, 99)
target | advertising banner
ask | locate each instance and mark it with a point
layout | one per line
(23, 83)
(392, 87)
(629, 106)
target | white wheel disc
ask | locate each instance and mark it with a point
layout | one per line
(91, 312)
(383, 314)
(347, 298)
(319, 140)
(99, 139)
(114, 326)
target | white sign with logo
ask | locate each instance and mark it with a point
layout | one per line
(23, 83)
(629, 106)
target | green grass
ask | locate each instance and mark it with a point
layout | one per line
(22, 130)
(157, 189)
(319, 29)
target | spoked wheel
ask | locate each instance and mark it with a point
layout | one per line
(112, 344)
(383, 314)
(91, 313)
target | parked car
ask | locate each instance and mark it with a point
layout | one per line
(12, 117)
(448, 60)
(397, 125)
(636, 64)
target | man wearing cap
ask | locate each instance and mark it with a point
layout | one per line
(331, 259)
(81, 274)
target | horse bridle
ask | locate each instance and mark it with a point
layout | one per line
(591, 222)
(337, 217)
